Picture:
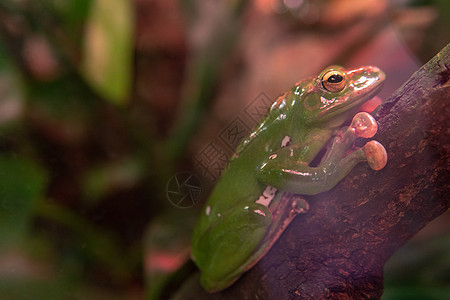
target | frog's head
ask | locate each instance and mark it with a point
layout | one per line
(338, 93)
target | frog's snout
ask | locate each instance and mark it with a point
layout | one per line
(373, 74)
(367, 79)
(376, 72)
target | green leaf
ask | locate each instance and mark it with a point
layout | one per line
(111, 177)
(73, 15)
(21, 185)
(108, 49)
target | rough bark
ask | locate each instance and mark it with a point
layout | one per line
(337, 250)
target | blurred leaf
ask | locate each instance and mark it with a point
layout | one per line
(415, 293)
(419, 269)
(11, 98)
(72, 11)
(98, 244)
(33, 288)
(21, 184)
(25, 276)
(110, 178)
(71, 17)
(444, 8)
(108, 48)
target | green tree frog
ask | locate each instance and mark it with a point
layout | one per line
(246, 213)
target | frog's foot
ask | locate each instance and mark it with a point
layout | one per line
(375, 154)
(283, 171)
(363, 125)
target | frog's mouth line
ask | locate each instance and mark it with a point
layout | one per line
(370, 96)
(361, 98)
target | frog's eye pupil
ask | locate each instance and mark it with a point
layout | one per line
(335, 78)
(333, 81)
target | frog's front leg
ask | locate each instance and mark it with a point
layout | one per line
(285, 172)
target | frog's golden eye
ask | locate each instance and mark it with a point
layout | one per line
(333, 81)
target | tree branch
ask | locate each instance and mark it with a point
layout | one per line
(337, 250)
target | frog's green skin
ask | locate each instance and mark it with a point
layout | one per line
(246, 212)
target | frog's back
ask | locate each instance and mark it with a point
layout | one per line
(238, 185)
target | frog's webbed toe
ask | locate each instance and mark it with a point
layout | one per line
(364, 125)
(375, 154)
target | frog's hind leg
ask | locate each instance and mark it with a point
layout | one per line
(231, 242)
(284, 209)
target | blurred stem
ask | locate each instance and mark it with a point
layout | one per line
(99, 244)
(203, 76)
(204, 79)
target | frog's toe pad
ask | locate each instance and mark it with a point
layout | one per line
(376, 155)
(364, 125)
